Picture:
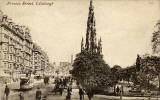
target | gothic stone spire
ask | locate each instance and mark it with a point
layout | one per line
(91, 31)
(82, 45)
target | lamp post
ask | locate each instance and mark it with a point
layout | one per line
(121, 93)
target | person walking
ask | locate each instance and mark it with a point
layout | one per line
(68, 97)
(117, 90)
(80, 93)
(21, 97)
(38, 94)
(6, 92)
(83, 93)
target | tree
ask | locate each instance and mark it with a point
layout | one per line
(156, 39)
(156, 48)
(115, 75)
(128, 73)
(91, 72)
(147, 72)
(156, 64)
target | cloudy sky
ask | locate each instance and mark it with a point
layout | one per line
(125, 26)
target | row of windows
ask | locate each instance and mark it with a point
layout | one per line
(15, 37)
(13, 41)
(12, 57)
(10, 48)
(11, 65)
(9, 56)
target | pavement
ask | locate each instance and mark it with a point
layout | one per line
(30, 95)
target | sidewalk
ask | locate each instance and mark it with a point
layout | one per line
(103, 97)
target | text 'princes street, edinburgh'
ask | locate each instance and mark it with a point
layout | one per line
(30, 3)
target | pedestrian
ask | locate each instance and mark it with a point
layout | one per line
(68, 97)
(83, 93)
(117, 90)
(21, 97)
(80, 93)
(7, 91)
(61, 89)
(38, 94)
(45, 80)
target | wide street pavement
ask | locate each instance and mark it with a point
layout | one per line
(30, 95)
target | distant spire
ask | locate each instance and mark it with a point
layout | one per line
(82, 45)
(99, 48)
(1, 14)
(100, 42)
(72, 59)
(91, 5)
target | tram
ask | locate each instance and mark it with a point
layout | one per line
(26, 83)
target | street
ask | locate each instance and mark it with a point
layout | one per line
(30, 95)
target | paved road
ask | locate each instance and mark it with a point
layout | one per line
(30, 95)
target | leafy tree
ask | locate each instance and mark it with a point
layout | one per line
(128, 73)
(91, 72)
(155, 63)
(115, 75)
(147, 72)
(156, 39)
(156, 49)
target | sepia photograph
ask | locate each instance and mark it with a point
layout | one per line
(79, 49)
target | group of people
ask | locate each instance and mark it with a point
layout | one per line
(21, 96)
(69, 90)
(7, 92)
(81, 93)
(119, 90)
(38, 95)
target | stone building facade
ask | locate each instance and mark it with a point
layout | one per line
(40, 60)
(17, 50)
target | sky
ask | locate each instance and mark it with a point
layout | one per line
(125, 26)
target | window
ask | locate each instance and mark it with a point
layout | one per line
(5, 64)
(5, 55)
(5, 47)
(35, 58)
(10, 66)
(35, 62)
(5, 36)
(11, 57)
(17, 66)
(10, 49)
(23, 54)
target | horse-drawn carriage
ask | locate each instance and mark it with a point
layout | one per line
(58, 89)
